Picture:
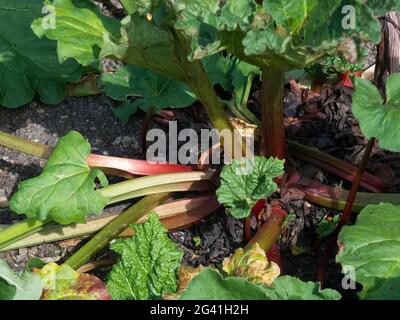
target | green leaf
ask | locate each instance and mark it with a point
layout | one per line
(210, 285)
(144, 44)
(377, 118)
(148, 264)
(79, 29)
(64, 283)
(65, 190)
(152, 90)
(246, 181)
(23, 286)
(372, 248)
(380, 7)
(29, 65)
(290, 14)
(291, 288)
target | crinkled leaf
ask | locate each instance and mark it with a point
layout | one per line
(377, 118)
(19, 286)
(29, 65)
(148, 263)
(152, 90)
(251, 264)
(372, 248)
(284, 34)
(210, 285)
(79, 29)
(64, 283)
(65, 190)
(245, 181)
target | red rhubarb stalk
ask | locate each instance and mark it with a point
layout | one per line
(346, 212)
(268, 234)
(135, 167)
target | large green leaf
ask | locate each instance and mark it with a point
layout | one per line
(372, 248)
(152, 90)
(23, 286)
(284, 34)
(147, 45)
(378, 118)
(210, 285)
(65, 190)
(290, 14)
(29, 65)
(79, 29)
(148, 263)
(64, 283)
(245, 181)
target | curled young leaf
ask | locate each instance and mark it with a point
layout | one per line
(65, 190)
(64, 283)
(251, 264)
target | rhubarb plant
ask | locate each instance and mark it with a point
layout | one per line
(277, 36)
(244, 182)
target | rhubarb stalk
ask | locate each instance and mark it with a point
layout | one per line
(273, 129)
(114, 228)
(346, 212)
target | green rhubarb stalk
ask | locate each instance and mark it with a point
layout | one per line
(197, 80)
(20, 230)
(119, 192)
(25, 146)
(114, 228)
(273, 129)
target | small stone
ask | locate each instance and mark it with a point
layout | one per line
(105, 153)
(117, 141)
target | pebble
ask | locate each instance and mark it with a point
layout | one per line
(117, 141)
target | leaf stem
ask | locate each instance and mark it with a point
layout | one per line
(114, 228)
(273, 129)
(346, 212)
(25, 146)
